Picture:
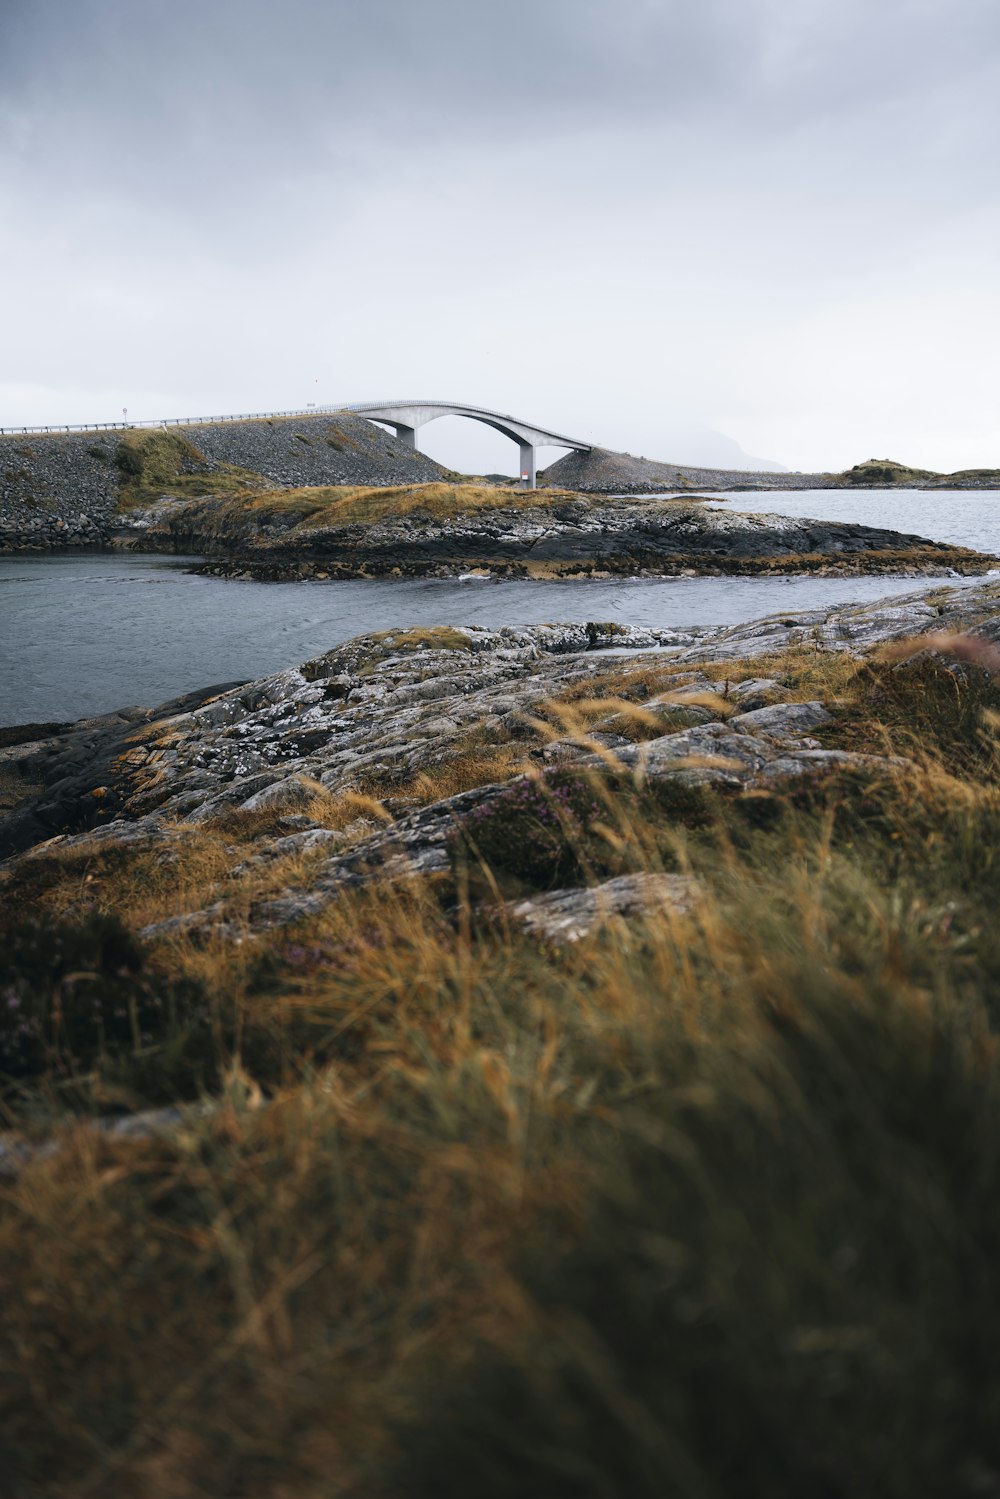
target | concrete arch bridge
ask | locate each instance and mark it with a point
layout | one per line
(407, 417)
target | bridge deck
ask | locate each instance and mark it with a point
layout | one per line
(411, 414)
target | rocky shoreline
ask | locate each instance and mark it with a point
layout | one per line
(916, 562)
(566, 537)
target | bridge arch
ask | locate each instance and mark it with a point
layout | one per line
(407, 417)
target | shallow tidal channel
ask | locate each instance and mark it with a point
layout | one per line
(83, 634)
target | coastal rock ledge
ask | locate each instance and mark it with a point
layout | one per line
(380, 711)
(448, 531)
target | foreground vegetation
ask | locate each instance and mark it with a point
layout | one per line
(704, 1204)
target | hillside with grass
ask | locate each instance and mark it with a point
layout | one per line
(506, 1064)
(886, 472)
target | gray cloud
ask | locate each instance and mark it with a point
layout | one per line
(251, 78)
(529, 197)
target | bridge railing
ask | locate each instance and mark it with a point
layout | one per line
(462, 405)
(195, 421)
(248, 416)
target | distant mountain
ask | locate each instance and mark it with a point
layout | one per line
(704, 447)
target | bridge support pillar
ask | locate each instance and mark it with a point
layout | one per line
(407, 435)
(527, 464)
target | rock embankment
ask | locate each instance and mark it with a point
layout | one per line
(68, 489)
(571, 537)
(387, 708)
(290, 452)
(603, 471)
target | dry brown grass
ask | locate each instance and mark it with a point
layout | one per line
(477, 760)
(699, 1195)
(232, 514)
(184, 867)
(14, 788)
(344, 505)
(316, 1258)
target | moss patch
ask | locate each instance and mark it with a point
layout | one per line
(157, 463)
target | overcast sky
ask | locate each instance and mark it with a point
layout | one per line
(636, 221)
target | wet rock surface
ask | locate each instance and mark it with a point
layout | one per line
(365, 709)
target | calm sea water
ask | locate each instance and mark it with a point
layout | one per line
(83, 634)
(964, 517)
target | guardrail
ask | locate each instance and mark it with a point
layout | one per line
(169, 421)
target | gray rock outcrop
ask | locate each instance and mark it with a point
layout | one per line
(564, 916)
(570, 535)
(385, 708)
